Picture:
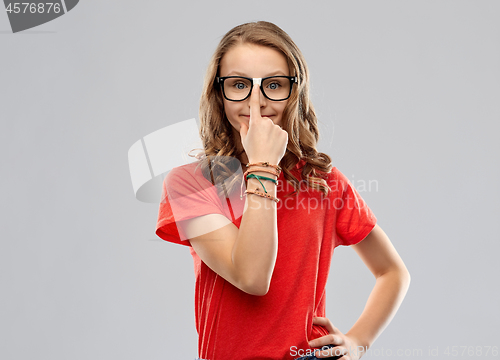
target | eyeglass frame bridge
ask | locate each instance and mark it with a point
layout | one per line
(220, 81)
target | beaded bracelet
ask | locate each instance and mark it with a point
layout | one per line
(266, 163)
(267, 196)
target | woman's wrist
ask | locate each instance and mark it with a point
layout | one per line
(263, 160)
(360, 346)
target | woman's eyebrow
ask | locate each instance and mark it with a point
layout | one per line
(236, 73)
(274, 73)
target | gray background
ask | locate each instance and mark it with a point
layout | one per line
(407, 93)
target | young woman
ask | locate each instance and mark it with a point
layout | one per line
(262, 260)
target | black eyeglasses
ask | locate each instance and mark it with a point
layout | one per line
(239, 88)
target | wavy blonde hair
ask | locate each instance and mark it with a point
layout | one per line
(299, 118)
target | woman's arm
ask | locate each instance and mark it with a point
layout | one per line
(392, 282)
(246, 256)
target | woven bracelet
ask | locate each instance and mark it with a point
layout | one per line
(261, 177)
(261, 167)
(267, 196)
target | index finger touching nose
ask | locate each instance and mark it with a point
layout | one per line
(255, 101)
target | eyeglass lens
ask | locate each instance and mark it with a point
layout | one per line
(275, 88)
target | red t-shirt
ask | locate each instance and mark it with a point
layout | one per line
(232, 324)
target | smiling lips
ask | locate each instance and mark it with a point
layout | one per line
(261, 115)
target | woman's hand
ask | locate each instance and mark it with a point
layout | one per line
(262, 139)
(345, 346)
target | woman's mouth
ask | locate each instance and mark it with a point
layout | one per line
(248, 116)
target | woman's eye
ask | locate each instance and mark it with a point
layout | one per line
(239, 86)
(274, 86)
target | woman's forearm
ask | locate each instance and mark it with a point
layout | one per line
(383, 303)
(256, 247)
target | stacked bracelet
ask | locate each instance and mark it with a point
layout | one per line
(275, 171)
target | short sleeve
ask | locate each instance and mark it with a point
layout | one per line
(185, 196)
(355, 219)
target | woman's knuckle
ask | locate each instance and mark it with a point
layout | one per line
(338, 351)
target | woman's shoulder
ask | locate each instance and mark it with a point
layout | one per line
(188, 175)
(190, 168)
(334, 178)
(334, 173)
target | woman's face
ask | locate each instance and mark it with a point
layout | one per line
(253, 61)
